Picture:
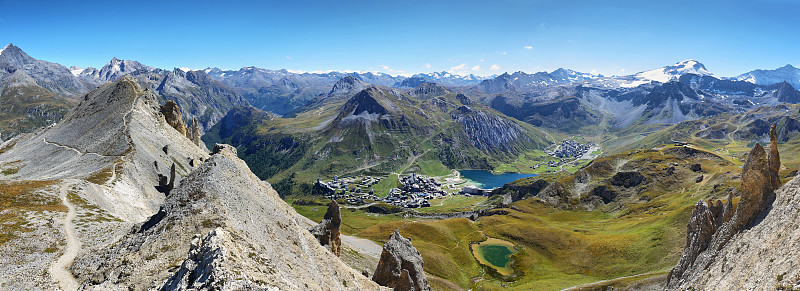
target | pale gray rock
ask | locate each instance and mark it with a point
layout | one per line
(252, 240)
(400, 266)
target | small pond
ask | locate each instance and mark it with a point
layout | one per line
(488, 180)
(496, 254)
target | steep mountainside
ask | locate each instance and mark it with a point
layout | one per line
(786, 73)
(51, 76)
(117, 133)
(25, 106)
(377, 130)
(92, 189)
(217, 216)
(634, 103)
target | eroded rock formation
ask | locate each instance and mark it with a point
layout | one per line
(400, 266)
(194, 132)
(712, 225)
(172, 113)
(327, 231)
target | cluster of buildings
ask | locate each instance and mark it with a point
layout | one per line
(415, 192)
(571, 149)
(348, 189)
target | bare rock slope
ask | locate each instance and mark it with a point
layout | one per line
(222, 228)
(755, 248)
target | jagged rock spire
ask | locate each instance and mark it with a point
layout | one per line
(712, 225)
(327, 231)
(774, 158)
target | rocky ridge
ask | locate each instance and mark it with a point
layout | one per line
(212, 226)
(714, 228)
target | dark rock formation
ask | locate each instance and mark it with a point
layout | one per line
(605, 193)
(698, 179)
(512, 193)
(172, 113)
(464, 99)
(327, 231)
(695, 167)
(712, 225)
(400, 266)
(627, 179)
(166, 185)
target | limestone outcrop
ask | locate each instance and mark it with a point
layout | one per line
(712, 224)
(327, 231)
(400, 266)
(172, 113)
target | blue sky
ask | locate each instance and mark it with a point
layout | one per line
(405, 37)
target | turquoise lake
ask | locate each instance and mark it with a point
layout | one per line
(487, 180)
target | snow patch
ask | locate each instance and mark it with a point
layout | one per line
(75, 72)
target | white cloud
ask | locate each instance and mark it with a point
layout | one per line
(482, 60)
(593, 72)
(622, 70)
(476, 68)
(527, 47)
(460, 67)
(427, 66)
(385, 67)
(288, 58)
(504, 53)
(494, 67)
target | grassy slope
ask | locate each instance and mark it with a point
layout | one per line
(566, 247)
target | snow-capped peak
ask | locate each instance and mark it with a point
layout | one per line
(671, 73)
(185, 69)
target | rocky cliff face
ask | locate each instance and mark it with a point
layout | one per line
(53, 77)
(400, 266)
(713, 228)
(488, 131)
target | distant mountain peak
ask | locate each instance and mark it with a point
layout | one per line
(672, 73)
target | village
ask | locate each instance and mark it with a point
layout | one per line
(413, 191)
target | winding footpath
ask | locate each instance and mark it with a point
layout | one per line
(59, 268)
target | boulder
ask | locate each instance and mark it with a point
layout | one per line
(327, 231)
(172, 113)
(695, 167)
(400, 266)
